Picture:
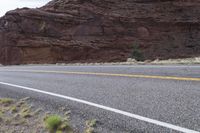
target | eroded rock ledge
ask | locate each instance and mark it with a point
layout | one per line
(100, 31)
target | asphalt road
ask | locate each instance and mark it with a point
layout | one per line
(169, 94)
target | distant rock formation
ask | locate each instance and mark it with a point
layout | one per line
(100, 31)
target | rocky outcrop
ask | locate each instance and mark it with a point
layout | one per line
(100, 31)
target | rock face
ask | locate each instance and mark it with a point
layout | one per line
(100, 31)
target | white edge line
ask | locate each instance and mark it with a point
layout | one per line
(138, 117)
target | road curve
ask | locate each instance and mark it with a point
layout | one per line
(136, 98)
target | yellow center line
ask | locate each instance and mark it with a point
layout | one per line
(112, 74)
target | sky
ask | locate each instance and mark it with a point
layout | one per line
(7, 5)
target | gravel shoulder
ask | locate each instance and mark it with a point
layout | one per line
(22, 116)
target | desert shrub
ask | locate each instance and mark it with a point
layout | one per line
(136, 53)
(53, 122)
(90, 124)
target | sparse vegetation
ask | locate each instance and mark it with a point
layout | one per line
(53, 122)
(136, 53)
(19, 116)
(90, 126)
(6, 101)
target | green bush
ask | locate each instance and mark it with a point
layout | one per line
(136, 53)
(53, 122)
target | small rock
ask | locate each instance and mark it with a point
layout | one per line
(131, 60)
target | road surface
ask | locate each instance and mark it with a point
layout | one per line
(129, 98)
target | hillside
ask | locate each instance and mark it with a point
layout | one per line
(100, 31)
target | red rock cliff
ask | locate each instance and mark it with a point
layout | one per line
(100, 31)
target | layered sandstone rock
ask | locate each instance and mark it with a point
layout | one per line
(100, 31)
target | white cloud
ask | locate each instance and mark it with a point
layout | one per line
(7, 5)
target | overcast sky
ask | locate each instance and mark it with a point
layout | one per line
(7, 5)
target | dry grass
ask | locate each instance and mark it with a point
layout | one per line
(90, 126)
(17, 116)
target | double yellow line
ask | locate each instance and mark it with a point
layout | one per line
(112, 74)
